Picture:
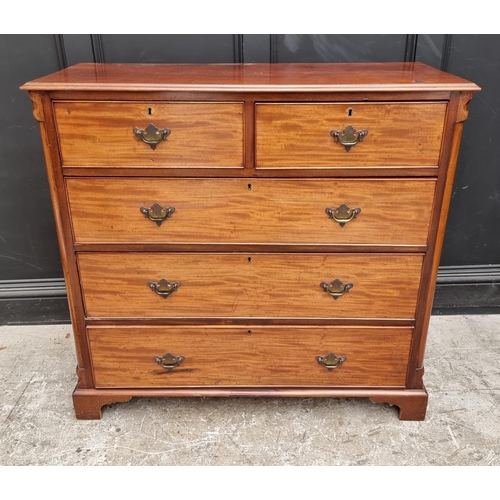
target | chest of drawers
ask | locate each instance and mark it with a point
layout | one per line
(250, 230)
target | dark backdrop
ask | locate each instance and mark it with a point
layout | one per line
(31, 285)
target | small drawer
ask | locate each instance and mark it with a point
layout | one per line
(101, 134)
(239, 211)
(169, 356)
(129, 285)
(380, 134)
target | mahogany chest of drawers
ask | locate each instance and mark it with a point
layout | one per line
(251, 230)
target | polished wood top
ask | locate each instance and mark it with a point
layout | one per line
(319, 77)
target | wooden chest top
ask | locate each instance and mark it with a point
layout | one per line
(319, 77)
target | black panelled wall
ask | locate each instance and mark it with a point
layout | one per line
(31, 288)
(31, 285)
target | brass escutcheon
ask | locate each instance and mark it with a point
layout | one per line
(169, 361)
(343, 214)
(348, 137)
(157, 213)
(163, 287)
(330, 361)
(152, 135)
(336, 288)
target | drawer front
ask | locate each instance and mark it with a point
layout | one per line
(249, 285)
(101, 134)
(250, 211)
(245, 356)
(299, 135)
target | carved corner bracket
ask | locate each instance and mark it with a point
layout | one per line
(463, 106)
(82, 377)
(36, 98)
(419, 377)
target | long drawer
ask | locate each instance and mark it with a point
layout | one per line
(238, 211)
(101, 134)
(291, 135)
(245, 356)
(130, 285)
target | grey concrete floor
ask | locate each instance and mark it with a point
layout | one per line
(38, 427)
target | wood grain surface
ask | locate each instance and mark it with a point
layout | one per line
(251, 211)
(100, 134)
(305, 77)
(249, 285)
(248, 356)
(298, 135)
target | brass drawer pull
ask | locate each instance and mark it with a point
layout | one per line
(330, 361)
(169, 361)
(336, 288)
(152, 135)
(348, 137)
(164, 288)
(157, 213)
(343, 214)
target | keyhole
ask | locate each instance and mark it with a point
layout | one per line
(249, 259)
(349, 112)
(249, 187)
(150, 111)
(249, 332)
